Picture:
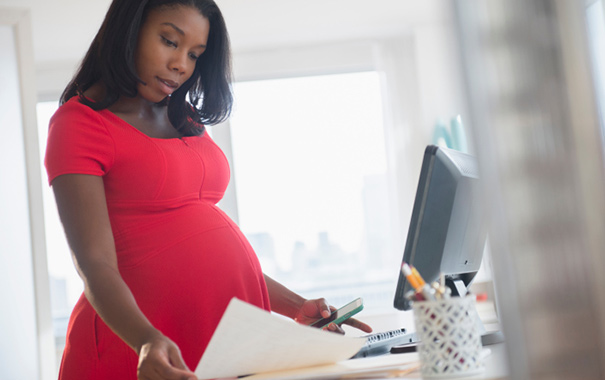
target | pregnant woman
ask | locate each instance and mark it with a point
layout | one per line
(136, 180)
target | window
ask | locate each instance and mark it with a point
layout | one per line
(311, 179)
(595, 21)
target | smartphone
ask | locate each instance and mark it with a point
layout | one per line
(340, 315)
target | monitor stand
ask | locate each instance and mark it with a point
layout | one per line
(457, 286)
(460, 289)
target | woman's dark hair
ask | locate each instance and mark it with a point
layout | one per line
(205, 98)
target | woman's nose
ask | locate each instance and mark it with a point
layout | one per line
(178, 63)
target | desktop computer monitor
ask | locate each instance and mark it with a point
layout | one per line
(447, 232)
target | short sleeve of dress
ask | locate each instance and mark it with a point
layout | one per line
(78, 142)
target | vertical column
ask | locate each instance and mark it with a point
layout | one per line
(537, 139)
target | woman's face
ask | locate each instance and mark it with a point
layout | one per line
(170, 41)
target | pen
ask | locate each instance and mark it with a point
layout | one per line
(409, 275)
(441, 291)
(417, 282)
(418, 276)
(446, 292)
(438, 292)
(410, 295)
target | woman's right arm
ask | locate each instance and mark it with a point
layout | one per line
(83, 212)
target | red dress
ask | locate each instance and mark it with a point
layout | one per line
(181, 256)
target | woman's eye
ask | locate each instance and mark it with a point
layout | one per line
(168, 42)
(193, 56)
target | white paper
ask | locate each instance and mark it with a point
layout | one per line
(383, 366)
(250, 340)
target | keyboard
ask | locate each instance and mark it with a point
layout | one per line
(381, 343)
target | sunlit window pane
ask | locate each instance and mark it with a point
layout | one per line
(311, 181)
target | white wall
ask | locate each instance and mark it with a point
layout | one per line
(18, 346)
(26, 337)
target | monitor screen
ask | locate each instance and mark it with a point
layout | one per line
(447, 231)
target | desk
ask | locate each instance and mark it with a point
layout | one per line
(387, 367)
(496, 366)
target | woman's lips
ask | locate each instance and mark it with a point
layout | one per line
(169, 85)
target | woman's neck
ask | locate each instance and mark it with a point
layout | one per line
(149, 118)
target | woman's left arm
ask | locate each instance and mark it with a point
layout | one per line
(304, 311)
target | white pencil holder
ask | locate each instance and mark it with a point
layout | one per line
(450, 343)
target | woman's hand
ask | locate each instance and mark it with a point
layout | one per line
(312, 310)
(161, 359)
(304, 311)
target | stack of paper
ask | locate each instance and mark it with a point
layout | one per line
(249, 340)
(375, 367)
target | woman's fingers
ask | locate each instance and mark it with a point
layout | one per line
(161, 359)
(358, 325)
(174, 354)
(161, 370)
(333, 327)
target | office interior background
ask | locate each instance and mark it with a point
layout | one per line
(335, 102)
